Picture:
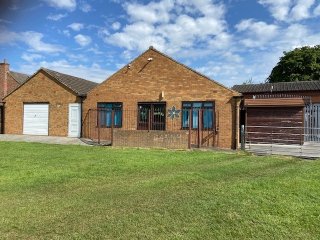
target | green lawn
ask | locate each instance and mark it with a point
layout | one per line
(74, 192)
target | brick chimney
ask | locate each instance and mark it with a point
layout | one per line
(4, 69)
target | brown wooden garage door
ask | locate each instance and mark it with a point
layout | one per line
(275, 125)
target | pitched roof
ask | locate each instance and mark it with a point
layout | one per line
(78, 85)
(19, 77)
(151, 48)
(278, 87)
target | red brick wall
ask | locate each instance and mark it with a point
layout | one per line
(150, 139)
(39, 89)
(1, 119)
(4, 68)
(7, 82)
(144, 81)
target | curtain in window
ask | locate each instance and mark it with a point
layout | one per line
(105, 114)
(207, 111)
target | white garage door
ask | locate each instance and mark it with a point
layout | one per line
(36, 119)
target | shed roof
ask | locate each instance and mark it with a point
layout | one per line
(278, 87)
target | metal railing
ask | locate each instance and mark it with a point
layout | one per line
(197, 127)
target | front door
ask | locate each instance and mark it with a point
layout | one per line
(74, 120)
(151, 116)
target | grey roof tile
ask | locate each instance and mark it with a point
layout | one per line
(278, 87)
(79, 85)
(19, 77)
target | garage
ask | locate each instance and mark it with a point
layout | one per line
(275, 120)
(36, 119)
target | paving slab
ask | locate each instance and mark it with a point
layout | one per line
(42, 139)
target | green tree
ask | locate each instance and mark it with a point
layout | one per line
(300, 64)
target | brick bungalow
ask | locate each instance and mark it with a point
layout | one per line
(9, 81)
(47, 103)
(155, 101)
(288, 110)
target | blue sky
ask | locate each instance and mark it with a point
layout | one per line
(230, 41)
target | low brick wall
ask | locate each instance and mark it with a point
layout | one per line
(152, 139)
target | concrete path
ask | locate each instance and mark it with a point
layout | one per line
(42, 139)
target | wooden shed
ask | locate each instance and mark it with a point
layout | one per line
(281, 113)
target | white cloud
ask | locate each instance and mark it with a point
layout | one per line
(302, 9)
(116, 26)
(153, 12)
(82, 40)
(94, 72)
(31, 39)
(30, 57)
(170, 25)
(85, 7)
(256, 33)
(297, 35)
(279, 8)
(316, 11)
(95, 50)
(63, 4)
(34, 41)
(66, 33)
(76, 26)
(7, 37)
(289, 10)
(56, 17)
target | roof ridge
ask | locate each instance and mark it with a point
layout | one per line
(18, 77)
(151, 48)
(313, 85)
(19, 72)
(295, 82)
(66, 80)
(47, 69)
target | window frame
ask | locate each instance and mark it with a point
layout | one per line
(152, 105)
(108, 109)
(202, 108)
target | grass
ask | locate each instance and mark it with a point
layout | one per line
(74, 192)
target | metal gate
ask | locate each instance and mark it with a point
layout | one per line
(312, 123)
(95, 128)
